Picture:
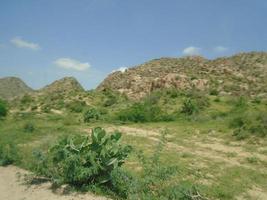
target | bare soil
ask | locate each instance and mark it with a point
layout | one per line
(14, 188)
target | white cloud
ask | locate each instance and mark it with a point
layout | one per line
(220, 49)
(121, 69)
(68, 63)
(18, 42)
(191, 51)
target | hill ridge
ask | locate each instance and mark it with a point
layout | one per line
(242, 73)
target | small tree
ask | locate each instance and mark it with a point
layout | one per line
(91, 114)
(3, 109)
(189, 107)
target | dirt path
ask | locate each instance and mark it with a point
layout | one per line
(13, 189)
(214, 149)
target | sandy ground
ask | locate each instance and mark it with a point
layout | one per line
(13, 188)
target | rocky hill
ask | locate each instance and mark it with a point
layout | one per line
(64, 85)
(244, 73)
(12, 87)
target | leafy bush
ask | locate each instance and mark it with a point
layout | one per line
(189, 107)
(109, 101)
(80, 162)
(90, 115)
(26, 99)
(76, 106)
(240, 103)
(8, 154)
(200, 98)
(214, 92)
(173, 93)
(240, 133)
(46, 108)
(110, 98)
(144, 112)
(34, 107)
(3, 109)
(246, 125)
(28, 127)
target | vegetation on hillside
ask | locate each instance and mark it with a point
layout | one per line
(3, 109)
(171, 143)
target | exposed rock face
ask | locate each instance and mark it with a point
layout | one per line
(64, 85)
(12, 87)
(244, 73)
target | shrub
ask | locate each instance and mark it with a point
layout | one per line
(77, 106)
(241, 103)
(240, 133)
(217, 99)
(28, 127)
(3, 109)
(26, 99)
(80, 162)
(245, 126)
(189, 107)
(90, 115)
(109, 101)
(144, 112)
(173, 93)
(110, 98)
(8, 154)
(237, 122)
(200, 99)
(33, 108)
(214, 92)
(46, 108)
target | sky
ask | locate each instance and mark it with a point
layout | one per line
(45, 40)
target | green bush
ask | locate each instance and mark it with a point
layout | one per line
(240, 133)
(109, 101)
(200, 98)
(110, 98)
(240, 103)
(29, 127)
(91, 115)
(189, 107)
(214, 92)
(3, 109)
(144, 112)
(26, 99)
(173, 93)
(81, 161)
(76, 106)
(8, 154)
(247, 125)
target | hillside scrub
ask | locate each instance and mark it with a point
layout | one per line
(144, 112)
(194, 104)
(3, 109)
(8, 153)
(249, 125)
(76, 106)
(92, 114)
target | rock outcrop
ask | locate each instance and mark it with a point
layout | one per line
(244, 73)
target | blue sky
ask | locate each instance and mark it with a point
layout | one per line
(44, 40)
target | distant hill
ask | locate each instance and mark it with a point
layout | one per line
(12, 87)
(244, 73)
(64, 85)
